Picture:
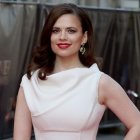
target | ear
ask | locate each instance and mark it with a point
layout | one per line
(85, 37)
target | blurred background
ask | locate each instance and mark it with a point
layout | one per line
(117, 35)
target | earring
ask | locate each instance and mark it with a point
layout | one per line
(82, 49)
(42, 74)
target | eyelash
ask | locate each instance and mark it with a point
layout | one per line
(55, 30)
(71, 31)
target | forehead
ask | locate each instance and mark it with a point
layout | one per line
(68, 20)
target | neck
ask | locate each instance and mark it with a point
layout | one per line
(65, 64)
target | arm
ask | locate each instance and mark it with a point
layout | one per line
(114, 97)
(22, 122)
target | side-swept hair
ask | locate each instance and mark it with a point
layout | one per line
(43, 56)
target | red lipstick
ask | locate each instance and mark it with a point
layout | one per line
(63, 45)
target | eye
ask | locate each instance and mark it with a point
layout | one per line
(55, 30)
(71, 31)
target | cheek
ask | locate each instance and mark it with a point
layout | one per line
(53, 45)
(53, 41)
(77, 41)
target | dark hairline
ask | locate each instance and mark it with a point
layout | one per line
(57, 12)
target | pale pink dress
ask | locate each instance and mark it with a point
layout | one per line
(65, 106)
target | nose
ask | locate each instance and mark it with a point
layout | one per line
(63, 35)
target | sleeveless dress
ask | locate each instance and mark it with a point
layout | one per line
(65, 106)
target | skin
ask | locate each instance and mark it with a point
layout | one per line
(22, 123)
(69, 33)
(114, 97)
(111, 93)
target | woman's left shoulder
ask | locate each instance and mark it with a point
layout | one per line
(106, 81)
(109, 88)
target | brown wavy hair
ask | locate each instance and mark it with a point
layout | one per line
(43, 56)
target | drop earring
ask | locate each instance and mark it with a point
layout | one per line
(82, 49)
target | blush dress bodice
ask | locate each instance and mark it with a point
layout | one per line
(65, 106)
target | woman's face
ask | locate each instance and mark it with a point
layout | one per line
(67, 36)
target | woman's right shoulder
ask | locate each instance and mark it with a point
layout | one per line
(33, 74)
(25, 80)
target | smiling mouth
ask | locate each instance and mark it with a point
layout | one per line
(63, 45)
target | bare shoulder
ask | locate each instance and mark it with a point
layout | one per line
(114, 97)
(21, 101)
(20, 95)
(109, 89)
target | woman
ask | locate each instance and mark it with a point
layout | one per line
(64, 95)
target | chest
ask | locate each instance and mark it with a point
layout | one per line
(70, 113)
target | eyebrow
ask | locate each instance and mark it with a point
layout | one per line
(66, 27)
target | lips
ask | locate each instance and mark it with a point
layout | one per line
(63, 45)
